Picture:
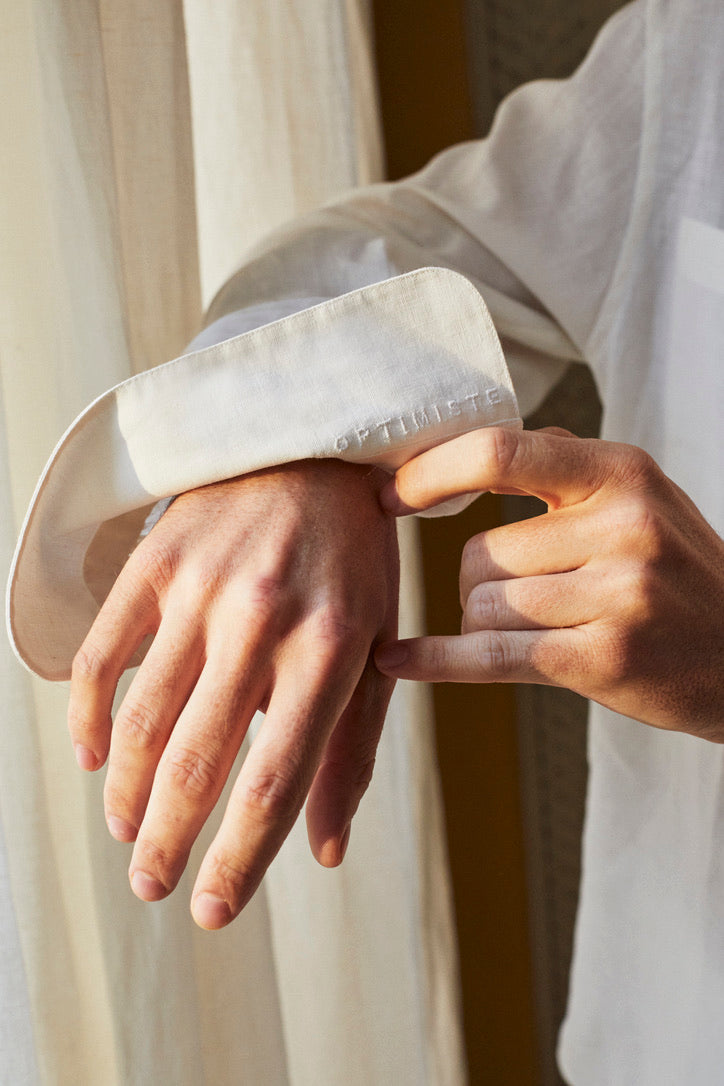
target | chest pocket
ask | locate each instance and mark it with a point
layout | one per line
(694, 371)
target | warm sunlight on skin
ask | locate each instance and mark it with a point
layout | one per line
(267, 591)
(594, 595)
(272, 590)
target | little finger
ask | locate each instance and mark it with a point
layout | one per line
(346, 768)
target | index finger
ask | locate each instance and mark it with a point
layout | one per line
(128, 616)
(559, 469)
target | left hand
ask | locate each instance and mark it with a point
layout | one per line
(262, 592)
(617, 592)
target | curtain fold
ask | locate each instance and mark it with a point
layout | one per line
(149, 146)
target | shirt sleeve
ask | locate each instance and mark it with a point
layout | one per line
(534, 216)
(360, 331)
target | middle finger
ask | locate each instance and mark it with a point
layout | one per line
(275, 779)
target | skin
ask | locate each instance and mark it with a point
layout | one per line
(617, 592)
(260, 597)
(273, 591)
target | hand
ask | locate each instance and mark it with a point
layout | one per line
(267, 592)
(617, 592)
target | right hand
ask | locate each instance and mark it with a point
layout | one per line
(617, 592)
(268, 591)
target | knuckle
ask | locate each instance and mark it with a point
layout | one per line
(137, 726)
(334, 625)
(354, 774)
(643, 527)
(502, 449)
(635, 469)
(272, 795)
(231, 877)
(638, 464)
(91, 664)
(482, 610)
(472, 564)
(194, 774)
(471, 552)
(263, 599)
(159, 859)
(154, 562)
(497, 656)
(203, 578)
(266, 590)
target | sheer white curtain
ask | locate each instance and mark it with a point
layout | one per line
(146, 147)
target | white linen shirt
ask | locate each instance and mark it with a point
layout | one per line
(592, 222)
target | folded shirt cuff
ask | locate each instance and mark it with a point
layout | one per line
(374, 376)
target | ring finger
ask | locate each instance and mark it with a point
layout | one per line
(555, 542)
(556, 601)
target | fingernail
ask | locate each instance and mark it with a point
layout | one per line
(147, 887)
(344, 841)
(211, 912)
(85, 758)
(391, 655)
(120, 829)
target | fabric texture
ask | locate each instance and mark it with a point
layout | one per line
(196, 420)
(592, 222)
(574, 219)
(147, 146)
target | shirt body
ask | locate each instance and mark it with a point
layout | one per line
(592, 221)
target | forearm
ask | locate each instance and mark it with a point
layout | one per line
(373, 235)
